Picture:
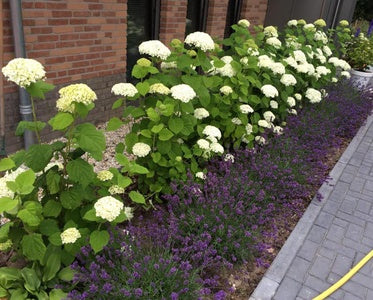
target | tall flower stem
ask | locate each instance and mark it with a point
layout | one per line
(35, 120)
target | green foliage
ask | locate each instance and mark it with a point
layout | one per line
(359, 52)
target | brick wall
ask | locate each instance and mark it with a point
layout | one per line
(216, 18)
(254, 11)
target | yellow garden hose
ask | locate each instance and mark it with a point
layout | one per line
(345, 278)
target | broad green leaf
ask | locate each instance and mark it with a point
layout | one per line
(7, 204)
(39, 89)
(66, 274)
(25, 181)
(113, 124)
(122, 159)
(137, 197)
(146, 132)
(57, 294)
(33, 246)
(52, 266)
(157, 128)
(137, 169)
(32, 281)
(131, 139)
(90, 139)
(38, 156)
(6, 164)
(163, 147)
(61, 121)
(156, 157)
(52, 209)
(124, 181)
(152, 114)
(187, 107)
(90, 215)
(19, 294)
(80, 171)
(165, 134)
(53, 182)
(176, 125)
(29, 217)
(49, 227)
(83, 109)
(139, 71)
(4, 231)
(29, 125)
(9, 275)
(98, 240)
(118, 103)
(55, 239)
(71, 198)
(143, 88)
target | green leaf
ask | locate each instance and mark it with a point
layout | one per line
(83, 109)
(122, 159)
(52, 266)
(7, 204)
(137, 197)
(29, 217)
(137, 169)
(163, 147)
(52, 209)
(152, 114)
(71, 198)
(4, 231)
(124, 181)
(53, 182)
(61, 121)
(165, 134)
(143, 88)
(157, 128)
(39, 89)
(131, 139)
(80, 171)
(19, 294)
(24, 182)
(113, 124)
(90, 140)
(187, 107)
(98, 240)
(176, 125)
(8, 275)
(38, 156)
(29, 125)
(118, 103)
(55, 239)
(32, 281)
(139, 71)
(57, 294)
(33, 247)
(6, 164)
(156, 157)
(90, 215)
(66, 274)
(146, 132)
(48, 227)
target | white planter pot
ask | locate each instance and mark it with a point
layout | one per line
(361, 79)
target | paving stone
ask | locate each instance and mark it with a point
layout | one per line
(335, 233)
(362, 216)
(347, 177)
(354, 245)
(348, 205)
(364, 206)
(351, 169)
(321, 267)
(349, 296)
(367, 241)
(298, 269)
(327, 253)
(369, 185)
(307, 293)
(355, 289)
(368, 232)
(354, 232)
(350, 218)
(357, 184)
(342, 264)
(333, 278)
(338, 248)
(308, 250)
(316, 234)
(364, 170)
(340, 222)
(337, 295)
(359, 196)
(364, 280)
(324, 219)
(316, 283)
(288, 289)
(332, 206)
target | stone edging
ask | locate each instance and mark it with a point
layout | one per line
(271, 280)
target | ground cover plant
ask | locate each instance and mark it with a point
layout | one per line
(196, 102)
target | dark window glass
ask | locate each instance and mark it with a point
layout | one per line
(233, 15)
(196, 16)
(142, 25)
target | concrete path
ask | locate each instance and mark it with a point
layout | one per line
(332, 236)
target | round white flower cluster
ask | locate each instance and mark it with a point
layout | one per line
(321, 36)
(264, 123)
(229, 157)
(291, 61)
(322, 70)
(116, 189)
(346, 74)
(141, 149)
(292, 23)
(201, 113)
(327, 51)
(212, 131)
(70, 235)
(335, 79)
(309, 27)
(273, 104)
(168, 65)
(320, 56)
(260, 140)
(291, 101)
(227, 70)
(299, 56)
(9, 176)
(292, 42)
(105, 175)
(274, 41)
(246, 109)
(249, 128)
(183, 92)
(278, 130)
(292, 111)
(277, 68)
(339, 63)
(298, 96)
(269, 116)
(155, 48)
(159, 88)
(244, 23)
(313, 95)
(209, 147)
(236, 121)
(244, 60)
(252, 51)
(80, 93)
(344, 23)
(201, 175)
(226, 90)
(124, 89)
(128, 211)
(108, 208)
(270, 31)
(269, 91)
(200, 40)
(24, 71)
(203, 144)
(264, 61)
(320, 23)
(288, 79)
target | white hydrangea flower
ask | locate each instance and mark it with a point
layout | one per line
(270, 31)
(226, 90)
(80, 93)
(70, 235)
(269, 91)
(246, 109)
(212, 139)
(168, 65)
(252, 51)
(288, 79)
(298, 96)
(201, 175)
(201, 113)
(23, 71)
(277, 68)
(273, 104)
(291, 101)
(227, 70)
(278, 130)
(260, 140)
(159, 88)
(236, 121)
(334, 79)
(200, 40)
(321, 58)
(311, 69)
(302, 68)
(217, 148)
(309, 27)
(229, 157)
(264, 61)
(346, 74)
(105, 175)
(249, 128)
(320, 22)
(183, 92)
(9, 176)
(244, 61)
(274, 41)
(203, 144)
(154, 48)
(292, 23)
(321, 70)
(124, 89)
(291, 61)
(128, 211)
(108, 208)
(141, 149)
(244, 23)
(115, 189)
(269, 116)
(212, 131)
(327, 51)
(320, 36)
(299, 56)
(313, 95)
(344, 23)
(344, 65)
(264, 123)
(292, 42)
(292, 111)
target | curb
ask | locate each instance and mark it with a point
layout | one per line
(271, 280)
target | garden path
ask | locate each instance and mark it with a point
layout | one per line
(332, 236)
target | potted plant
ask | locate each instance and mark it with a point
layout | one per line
(359, 55)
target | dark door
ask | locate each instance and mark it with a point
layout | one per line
(196, 16)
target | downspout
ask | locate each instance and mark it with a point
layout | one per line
(2, 106)
(336, 13)
(20, 51)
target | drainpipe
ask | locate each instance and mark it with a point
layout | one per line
(336, 14)
(2, 106)
(20, 51)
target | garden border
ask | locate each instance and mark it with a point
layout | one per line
(271, 280)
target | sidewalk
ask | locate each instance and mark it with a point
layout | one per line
(332, 236)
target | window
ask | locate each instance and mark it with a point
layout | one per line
(142, 25)
(233, 15)
(196, 16)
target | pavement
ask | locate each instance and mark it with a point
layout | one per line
(332, 236)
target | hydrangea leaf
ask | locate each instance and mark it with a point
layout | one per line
(165, 134)
(143, 88)
(137, 197)
(48, 227)
(33, 246)
(52, 208)
(38, 156)
(61, 121)
(6, 164)
(39, 89)
(90, 140)
(118, 103)
(80, 171)
(98, 240)
(53, 182)
(7, 204)
(114, 124)
(29, 125)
